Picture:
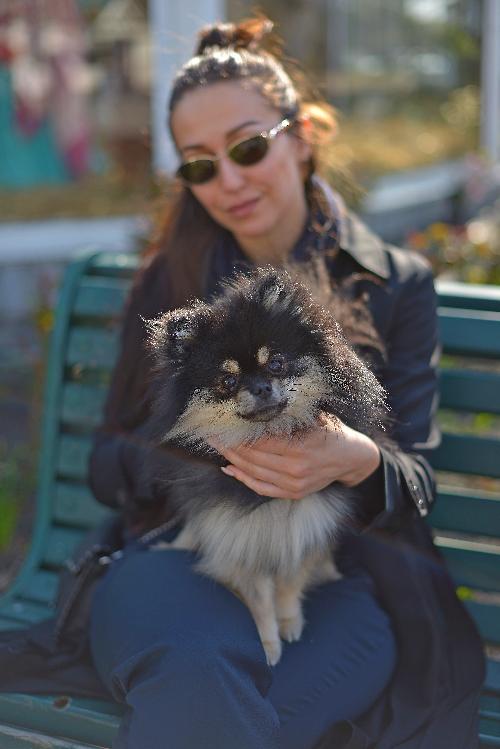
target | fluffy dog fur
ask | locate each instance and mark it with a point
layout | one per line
(263, 359)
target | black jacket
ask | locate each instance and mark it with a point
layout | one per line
(431, 702)
(401, 294)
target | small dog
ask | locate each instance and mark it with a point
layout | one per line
(263, 359)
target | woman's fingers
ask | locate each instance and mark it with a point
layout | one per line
(285, 463)
(263, 488)
(249, 457)
(266, 471)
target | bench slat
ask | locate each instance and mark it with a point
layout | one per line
(487, 618)
(490, 703)
(470, 332)
(24, 611)
(492, 682)
(471, 563)
(114, 264)
(82, 405)
(73, 456)
(41, 587)
(470, 391)
(487, 741)
(468, 295)
(21, 738)
(6, 623)
(101, 297)
(463, 512)
(61, 544)
(75, 506)
(87, 721)
(92, 348)
(478, 456)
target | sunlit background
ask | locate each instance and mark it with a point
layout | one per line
(77, 90)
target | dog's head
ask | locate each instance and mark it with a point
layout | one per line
(263, 359)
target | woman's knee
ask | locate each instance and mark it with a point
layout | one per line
(152, 614)
(194, 663)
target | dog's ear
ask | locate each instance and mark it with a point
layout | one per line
(276, 289)
(171, 336)
(355, 394)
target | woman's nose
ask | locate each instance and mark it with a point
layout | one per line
(229, 173)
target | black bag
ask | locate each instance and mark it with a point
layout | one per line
(100, 547)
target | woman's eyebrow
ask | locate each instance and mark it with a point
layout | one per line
(229, 134)
(240, 127)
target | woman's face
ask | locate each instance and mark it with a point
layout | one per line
(263, 204)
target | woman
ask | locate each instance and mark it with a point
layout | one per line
(378, 663)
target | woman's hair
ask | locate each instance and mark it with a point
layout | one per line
(178, 256)
(247, 52)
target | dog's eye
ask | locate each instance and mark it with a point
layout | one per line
(276, 364)
(229, 382)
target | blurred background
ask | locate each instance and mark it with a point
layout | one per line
(85, 158)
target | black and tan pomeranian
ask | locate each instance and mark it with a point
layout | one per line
(264, 359)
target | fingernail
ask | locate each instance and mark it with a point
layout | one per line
(227, 471)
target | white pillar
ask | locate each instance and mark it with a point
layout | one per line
(490, 80)
(174, 24)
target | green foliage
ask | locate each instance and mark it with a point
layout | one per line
(17, 480)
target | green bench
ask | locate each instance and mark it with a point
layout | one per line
(84, 346)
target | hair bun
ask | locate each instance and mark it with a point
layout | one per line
(247, 34)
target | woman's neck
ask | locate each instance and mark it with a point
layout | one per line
(275, 246)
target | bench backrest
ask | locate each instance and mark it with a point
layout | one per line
(83, 351)
(466, 518)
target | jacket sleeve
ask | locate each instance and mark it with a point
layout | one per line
(404, 482)
(115, 472)
(120, 444)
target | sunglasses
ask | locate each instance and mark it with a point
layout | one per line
(244, 153)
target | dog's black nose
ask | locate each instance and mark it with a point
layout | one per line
(261, 388)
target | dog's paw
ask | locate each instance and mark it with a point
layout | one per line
(326, 572)
(273, 651)
(291, 627)
(161, 546)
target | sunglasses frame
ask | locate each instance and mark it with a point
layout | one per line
(267, 135)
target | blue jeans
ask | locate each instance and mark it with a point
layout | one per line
(183, 653)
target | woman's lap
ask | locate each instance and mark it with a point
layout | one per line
(153, 603)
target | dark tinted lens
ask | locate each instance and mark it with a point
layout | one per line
(249, 151)
(197, 172)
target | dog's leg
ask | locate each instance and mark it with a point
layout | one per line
(258, 594)
(289, 593)
(289, 606)
(324, 571)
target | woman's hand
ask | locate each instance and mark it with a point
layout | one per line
(292, 469)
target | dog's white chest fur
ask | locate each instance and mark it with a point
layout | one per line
(274, 538)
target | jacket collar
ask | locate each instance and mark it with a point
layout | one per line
(365, 247)
(354, 237)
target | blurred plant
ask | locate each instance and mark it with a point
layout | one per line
(21, 381)
(17, 470)
(469, 253)
(463, 108)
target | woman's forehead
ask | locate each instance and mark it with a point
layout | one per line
(216, 111)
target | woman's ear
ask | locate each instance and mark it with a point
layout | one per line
(303, 144)
(304, 132)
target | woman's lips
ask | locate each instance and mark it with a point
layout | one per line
(241, 210)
